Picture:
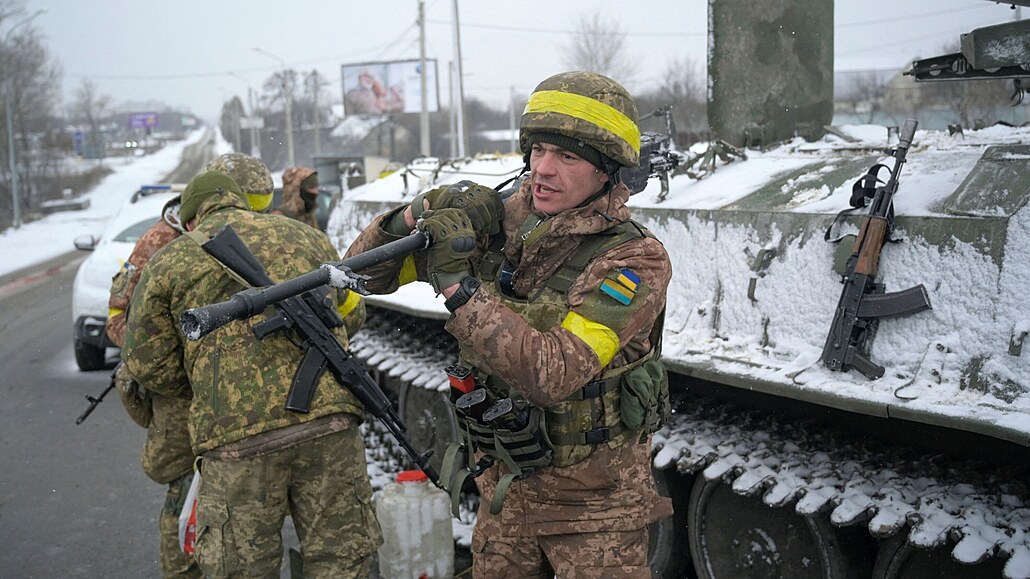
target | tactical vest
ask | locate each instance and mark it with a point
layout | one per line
(575, 426)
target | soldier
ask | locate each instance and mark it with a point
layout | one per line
(300, 193)
(259, 462)
(556, 302)
(167, 457)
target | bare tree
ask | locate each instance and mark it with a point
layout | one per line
(314, 106)
(232, 113)
(91, 106)
(685, 89)
(276, 89)
(598, 45)
(29, 90)
(869, 89)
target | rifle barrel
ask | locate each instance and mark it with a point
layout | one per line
(199, 322)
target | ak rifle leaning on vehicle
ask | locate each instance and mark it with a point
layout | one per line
(863, 302)
(299, 305)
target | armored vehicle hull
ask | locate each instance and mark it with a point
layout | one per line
(778, 466)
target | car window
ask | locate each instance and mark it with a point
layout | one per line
(132, 233)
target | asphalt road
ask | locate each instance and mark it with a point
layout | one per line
(73, 499)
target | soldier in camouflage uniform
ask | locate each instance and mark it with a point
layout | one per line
(300, 193)
(259, 462)
(167, 457)
(558, 306)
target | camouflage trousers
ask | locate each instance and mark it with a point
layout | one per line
(322, 484)
(175, 563)
(600, 555)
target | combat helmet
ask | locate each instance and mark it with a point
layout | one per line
(250, 173)
(590, 109)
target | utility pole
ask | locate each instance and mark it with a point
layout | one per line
(318, 119)
(452, 118)
(512, 126)
(255, 135)
(424, 117)
(9, 113)
(10, 155)
(288, 97)
(461, 84)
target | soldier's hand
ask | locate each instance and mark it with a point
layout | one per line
(482, 204)
(452, 240)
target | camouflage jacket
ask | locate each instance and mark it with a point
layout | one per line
(167, 454)
(292, 204)
(124, 282)
(239, 384)
(613, 488)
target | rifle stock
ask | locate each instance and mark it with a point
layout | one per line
(863, 302)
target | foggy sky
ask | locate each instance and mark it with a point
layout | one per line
(197, 54)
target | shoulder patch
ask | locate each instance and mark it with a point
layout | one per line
(621, 285)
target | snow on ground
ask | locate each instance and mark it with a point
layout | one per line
(53, 235)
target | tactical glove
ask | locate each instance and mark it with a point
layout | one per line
(452, 240)
(482, 204)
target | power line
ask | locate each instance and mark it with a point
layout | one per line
(909, 40)
(893, 19)
(566, 31)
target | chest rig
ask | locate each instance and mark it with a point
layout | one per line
(567, 432)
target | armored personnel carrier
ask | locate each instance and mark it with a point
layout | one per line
(778, 465)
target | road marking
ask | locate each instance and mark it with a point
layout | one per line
(37, 277)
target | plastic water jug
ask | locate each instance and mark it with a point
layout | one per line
(418, 542)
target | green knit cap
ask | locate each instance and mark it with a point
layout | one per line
(203, 187)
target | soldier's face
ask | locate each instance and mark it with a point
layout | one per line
(561, 179)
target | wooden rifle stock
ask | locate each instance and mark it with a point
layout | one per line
(863, 302)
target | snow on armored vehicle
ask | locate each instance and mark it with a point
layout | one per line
(779, 466)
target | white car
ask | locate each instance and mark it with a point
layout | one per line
(92, 285)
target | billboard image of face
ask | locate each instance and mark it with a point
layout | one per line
(380, 88)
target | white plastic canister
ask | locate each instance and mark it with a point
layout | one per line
(418, 542)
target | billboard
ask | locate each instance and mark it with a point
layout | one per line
(142, 120)
(378, 88)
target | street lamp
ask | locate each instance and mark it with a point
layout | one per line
(10, 125)
(287, 96)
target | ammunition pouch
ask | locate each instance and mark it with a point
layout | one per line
(522, 450)
(644, 402)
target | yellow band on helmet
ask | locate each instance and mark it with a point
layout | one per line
(601, 339)
(592, 111)
(112, 312)
(259, 202)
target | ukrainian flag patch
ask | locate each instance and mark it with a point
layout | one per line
(623, 287)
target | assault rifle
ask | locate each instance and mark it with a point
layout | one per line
(96, 400)
(300, 304)
(863, 302)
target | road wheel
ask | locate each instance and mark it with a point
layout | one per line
(88, 356)
(666, 539)
(898, 558)
(733, 536)
(430, 422)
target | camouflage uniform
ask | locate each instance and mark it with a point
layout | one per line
(167, 457)
(586, 513)
(294, 203)
(260, 461)
(612, 490)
